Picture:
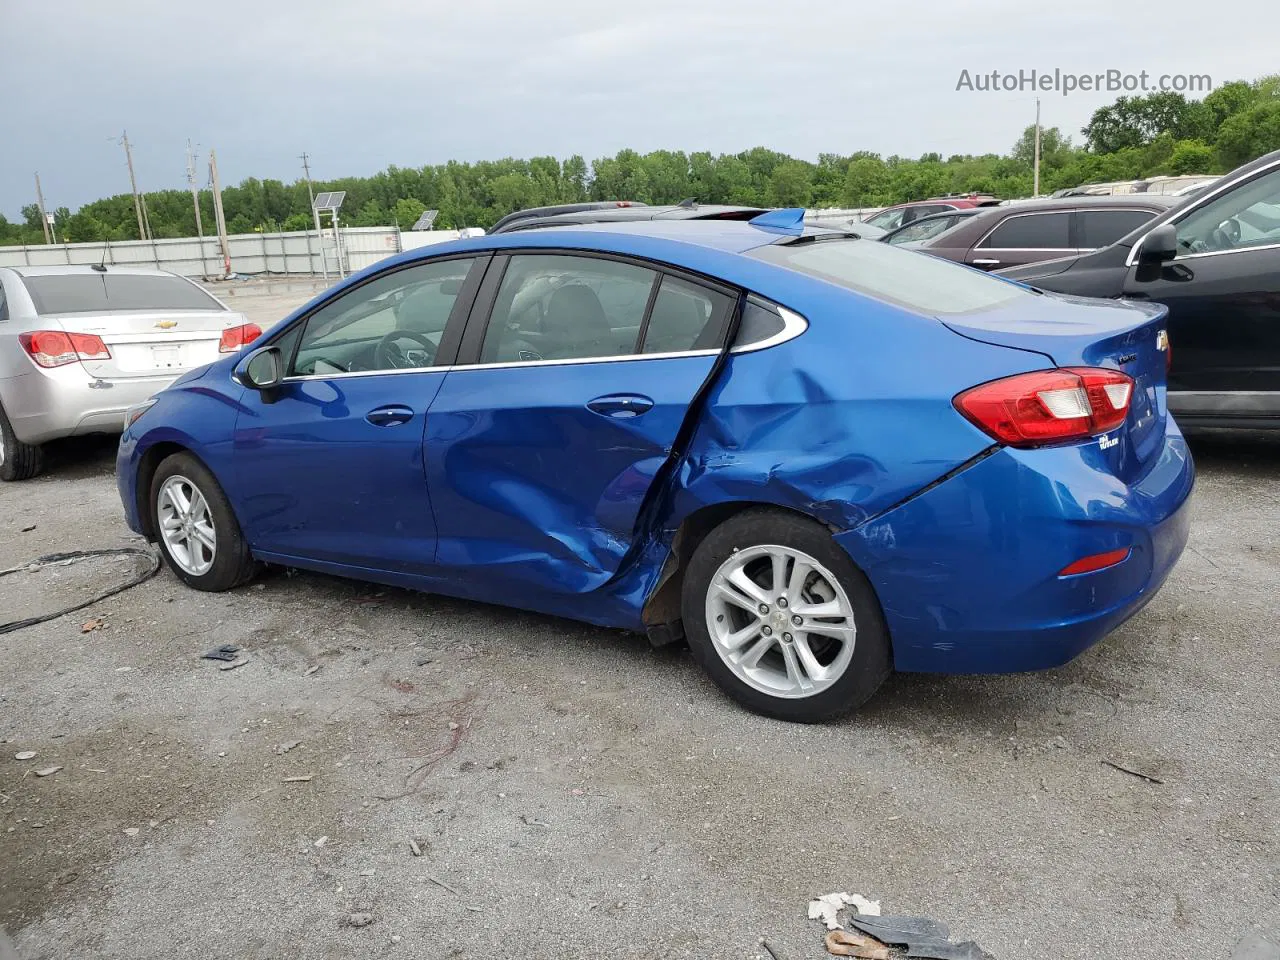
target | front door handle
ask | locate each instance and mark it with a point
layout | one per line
(620, 406)
(390, 415)
(985, 263)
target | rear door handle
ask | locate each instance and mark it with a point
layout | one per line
(390, 415)
(620, 406)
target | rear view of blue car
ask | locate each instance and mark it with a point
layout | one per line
(816, 458)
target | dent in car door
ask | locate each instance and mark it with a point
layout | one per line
(539, 460)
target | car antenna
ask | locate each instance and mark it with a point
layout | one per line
(101, 266)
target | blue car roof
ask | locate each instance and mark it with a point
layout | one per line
(729, 236)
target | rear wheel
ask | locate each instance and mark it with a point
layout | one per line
(196, 528)
(18, 460)
(782, 620)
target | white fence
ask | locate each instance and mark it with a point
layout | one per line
(251, 253)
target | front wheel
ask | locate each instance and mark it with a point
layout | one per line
(195, 526)
(782, 620)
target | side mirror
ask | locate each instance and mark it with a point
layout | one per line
(1159, 245)
(262, 369)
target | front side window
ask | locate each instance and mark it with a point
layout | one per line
(887, 219)
(557, 307)
(928, 285)
(1245, 216)
(1031, 231)
(923, 229)
(393, 322)
(55, 294)
(1101, 228)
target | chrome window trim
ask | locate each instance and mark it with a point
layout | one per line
(793, 324)
(1218, 189)
(1208, 253)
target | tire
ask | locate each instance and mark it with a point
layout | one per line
(18, 460)
(842, 667)
(224, 564)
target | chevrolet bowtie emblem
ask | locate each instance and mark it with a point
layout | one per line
(166, 324)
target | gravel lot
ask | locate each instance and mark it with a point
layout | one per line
(577, 794)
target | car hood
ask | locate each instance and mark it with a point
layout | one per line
(1043, 268)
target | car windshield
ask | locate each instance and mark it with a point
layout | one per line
(60, 293)
(923, 229)
(925, 284)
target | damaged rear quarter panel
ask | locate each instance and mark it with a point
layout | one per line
(846, 420)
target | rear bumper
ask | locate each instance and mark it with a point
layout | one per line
(967, 573)
(65, 401)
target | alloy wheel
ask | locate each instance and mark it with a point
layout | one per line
(186, 524)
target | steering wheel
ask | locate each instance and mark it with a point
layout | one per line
(387, 355)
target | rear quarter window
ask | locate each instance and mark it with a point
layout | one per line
(55, 294)
(916, 281)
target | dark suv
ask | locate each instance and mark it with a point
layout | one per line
(619, 211)
(1214, 260)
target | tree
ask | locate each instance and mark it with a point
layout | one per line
(1137, 121)
(407, 211)
(1055, 148)
(867, 183)
(1228, 100)
(1190, 156)
(790, 185)
(1250, 134)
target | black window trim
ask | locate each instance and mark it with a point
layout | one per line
(448, 341)
(482, 311)
(1077, 223)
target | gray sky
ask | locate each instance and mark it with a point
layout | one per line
(361, 84)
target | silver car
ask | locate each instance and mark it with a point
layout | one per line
(79, 345)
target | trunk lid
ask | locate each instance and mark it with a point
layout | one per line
(1079, 332)
(152, 343)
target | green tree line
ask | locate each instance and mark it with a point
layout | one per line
(1162, 133)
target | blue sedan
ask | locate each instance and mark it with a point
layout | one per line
(814, 457)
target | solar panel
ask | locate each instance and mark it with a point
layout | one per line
(425, 221)
(329, 201)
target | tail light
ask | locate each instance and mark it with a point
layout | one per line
(1097, 561)
(1049, 406)
(53, 348)
(233, 338)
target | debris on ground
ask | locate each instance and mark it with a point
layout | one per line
(227, 652)
(921, 936)
(234, 664)
(303, 779)
(310, 670)
(532, 822)
(1133, 773)
(283, 748)
(24, 755)
(444, 886)
(97, 623)
(320, 843)
(359, 919)
(414, 848)
(131, 831)
(826, 908)
(28, 529)
(48, 771)
(842, 943)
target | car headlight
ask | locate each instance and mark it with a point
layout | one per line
(138, 409)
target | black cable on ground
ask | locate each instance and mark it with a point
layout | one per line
(46, 561)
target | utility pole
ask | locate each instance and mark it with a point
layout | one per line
(218, 213)
(44, 217)
(311, 195)
(195, 199)
(133, 182)
(1035, 189)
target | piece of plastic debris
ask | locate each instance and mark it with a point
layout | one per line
(302, 779)
(359, 919)
(234, 663)
(414, 848)
(924, 938)
(310, 670)
(531, 822)
(826, 908)
(227, 652)
(842, 943)
(28, 529)
(24, 755)
(131, 831)
(283, 748)
(367, 873)
(321, 842)
(47, 771)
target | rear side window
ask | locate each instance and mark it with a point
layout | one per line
(685, 317)
(916, 281)
(4, 304)
(95, 292)
(759, 322)
(1101, 228)
(1031, 231)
